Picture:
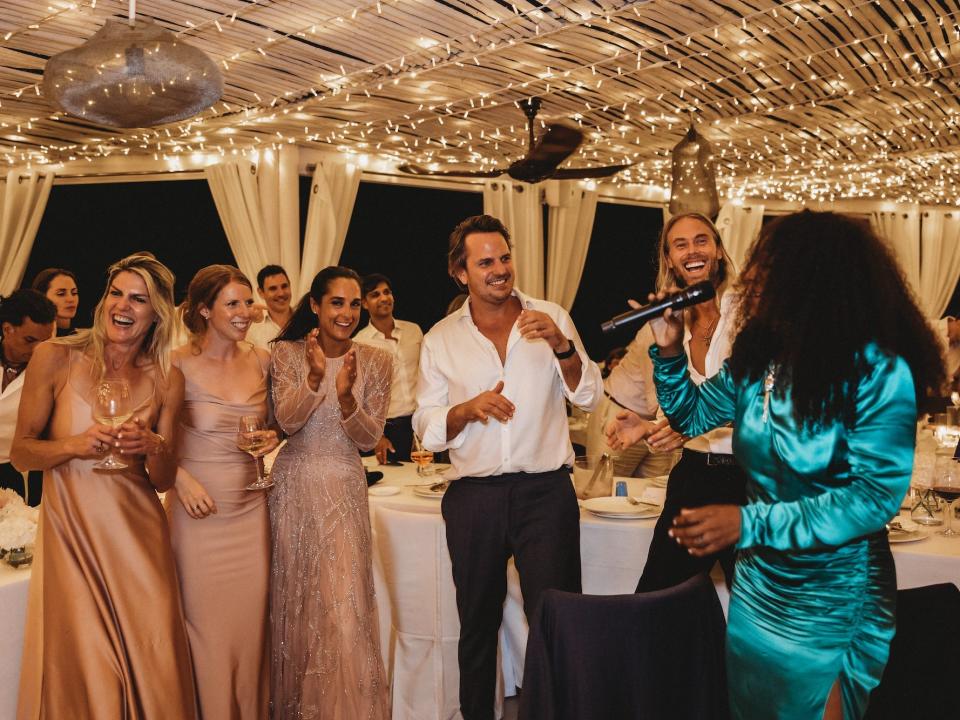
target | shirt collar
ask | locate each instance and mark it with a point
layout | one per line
(525, 301)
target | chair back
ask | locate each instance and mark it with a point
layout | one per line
(657, 655)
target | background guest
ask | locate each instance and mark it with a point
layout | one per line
(494, 379)
(220, 530)
(629, 386)
(273, 287)
(822, 388)
(401, 339)
(105, 636)
(690, 252)
(330, 397)
(26, 320)
(60, 286)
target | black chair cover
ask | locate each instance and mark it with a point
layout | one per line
(924, 665)
(616, 657)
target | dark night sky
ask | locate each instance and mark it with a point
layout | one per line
(399, 231)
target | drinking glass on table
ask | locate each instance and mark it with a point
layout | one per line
(112, 406)
(420, 455)
(251, 438)
(946, 486)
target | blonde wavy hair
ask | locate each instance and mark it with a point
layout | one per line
(156, 343)
(666, 277)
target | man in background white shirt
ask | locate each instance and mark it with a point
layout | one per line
(402, 340)
(494, 378)
(273, 287)
(27, 318)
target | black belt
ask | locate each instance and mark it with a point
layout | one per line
(709, 458)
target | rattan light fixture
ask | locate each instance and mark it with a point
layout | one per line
(132, 75)
(694, 186)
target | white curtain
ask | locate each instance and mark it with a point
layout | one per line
(259, 208)
(517, 205)
(940, 260)
(333, 192)
(23, 198)
(569, 226)
(901, 229)
(739, 226)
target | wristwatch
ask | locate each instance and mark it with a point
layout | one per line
(569, 352)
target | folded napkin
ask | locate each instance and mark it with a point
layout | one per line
(654, 495)
(902, 524)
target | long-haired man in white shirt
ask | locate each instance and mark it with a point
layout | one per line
(494, 378)
(690, 251)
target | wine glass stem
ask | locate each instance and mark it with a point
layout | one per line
(949, 508)
(259, 463)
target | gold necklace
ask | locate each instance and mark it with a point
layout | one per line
(708, 336)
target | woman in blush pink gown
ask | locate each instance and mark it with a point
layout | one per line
(105, 636)
(220, 530)
(330, 396)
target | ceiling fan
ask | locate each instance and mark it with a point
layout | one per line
(542, 160)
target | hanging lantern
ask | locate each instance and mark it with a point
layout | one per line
(694, 182)
(136, 75)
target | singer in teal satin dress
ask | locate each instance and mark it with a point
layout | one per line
(822, 388)
(814, 590)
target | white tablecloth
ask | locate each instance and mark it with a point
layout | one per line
(613, 553)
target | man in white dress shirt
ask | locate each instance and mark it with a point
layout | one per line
(402, 340)
(691, 251)
(494, 378)
(273, 287)
(27, 318)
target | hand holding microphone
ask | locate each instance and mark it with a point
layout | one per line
(666, 323)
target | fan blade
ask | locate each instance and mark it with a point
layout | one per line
(417, 170)
(594, 172)
(553, 147)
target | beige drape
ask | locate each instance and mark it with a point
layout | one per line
(333, 192)
(517, 205)
(570, 216)
(23, 198)
(258, 205)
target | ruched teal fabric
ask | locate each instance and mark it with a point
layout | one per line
(814, 594)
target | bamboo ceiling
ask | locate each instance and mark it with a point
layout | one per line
(816, 99)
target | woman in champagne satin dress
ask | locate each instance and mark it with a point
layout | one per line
(105, 636)
(220, 530)
(330, 397)
(822, 388)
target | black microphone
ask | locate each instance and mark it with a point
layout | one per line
(693, 295)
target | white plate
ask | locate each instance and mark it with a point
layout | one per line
(384, 491)
(426, 492)
(905, 537)
(619, 508)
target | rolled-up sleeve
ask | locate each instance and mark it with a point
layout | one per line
(589, 390)
(433, 403)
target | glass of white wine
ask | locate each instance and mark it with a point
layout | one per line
(421, 456)
(250, 439)
(112, 406)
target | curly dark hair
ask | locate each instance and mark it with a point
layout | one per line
(817, 288)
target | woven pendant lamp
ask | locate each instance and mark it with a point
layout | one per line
(694, 186)
(132, 75)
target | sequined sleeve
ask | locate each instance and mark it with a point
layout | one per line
(365, 425)
(293, 400)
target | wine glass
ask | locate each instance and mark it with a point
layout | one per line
(946, 486)
(112, 406)
(250, 439)
(420, 455)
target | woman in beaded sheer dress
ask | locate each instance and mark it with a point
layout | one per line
(219, 529)
(330, 397)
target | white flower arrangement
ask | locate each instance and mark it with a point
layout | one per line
(18, 521)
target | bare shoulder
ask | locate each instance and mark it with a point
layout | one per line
(50, 357)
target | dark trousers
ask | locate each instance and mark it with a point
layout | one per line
(533, 517)
(693, 483)
(399, 431)
(11, 479)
